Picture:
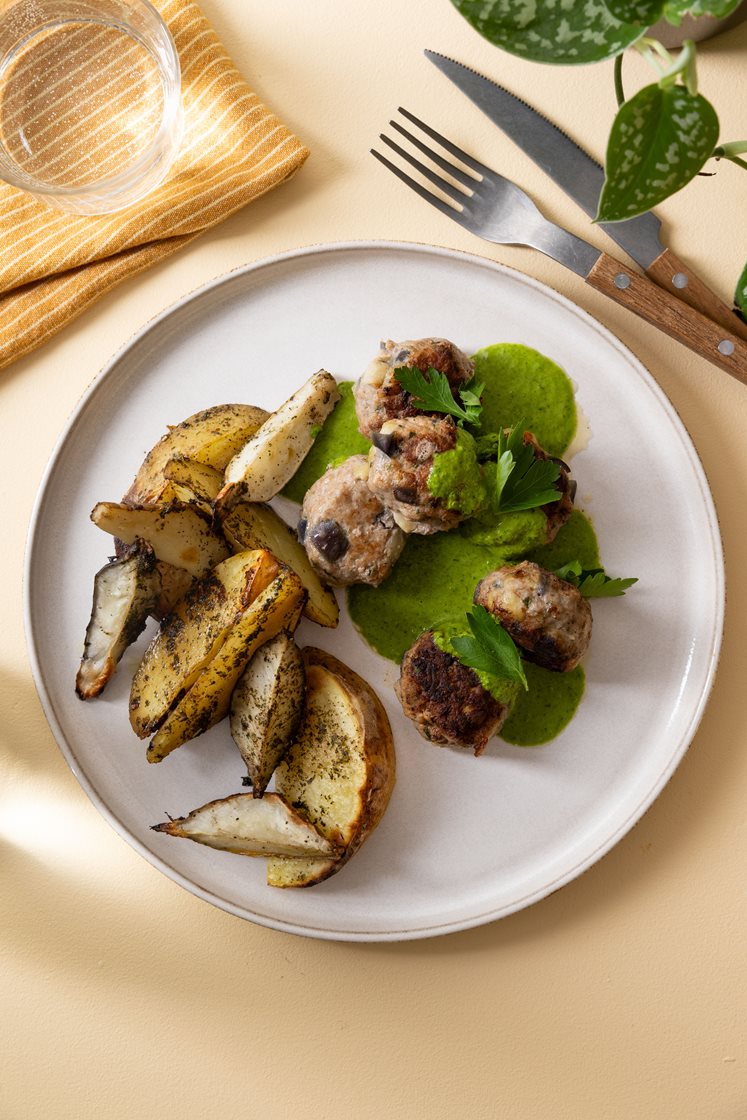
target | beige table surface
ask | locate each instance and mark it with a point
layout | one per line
(621, 997)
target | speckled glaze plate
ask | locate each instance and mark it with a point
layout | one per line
(465, 841)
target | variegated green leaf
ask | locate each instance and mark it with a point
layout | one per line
(674, 10)
(740, 295)
(636, 11)
(551, 31)
(660, 139)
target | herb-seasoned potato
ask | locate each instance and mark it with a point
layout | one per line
(253, 525)
(125, 592)
(212, 436)
(192, 634)
(201, 479)
(340, 771)
(266, 707)
(207, 701)
(250, 827)
(178, 534)
(271, 457)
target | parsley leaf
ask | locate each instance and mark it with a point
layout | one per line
(594, 583)
(524, 482)
(431, 392)
(490, 649)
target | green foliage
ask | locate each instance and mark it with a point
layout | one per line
(490, 649)
(674, 10)
(660, 139)
(523, 481)
(740, 295)
(594, 583)
(552, 31)
(643, 12)
(432, 393)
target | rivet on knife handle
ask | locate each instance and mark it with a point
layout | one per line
(668, 271)
(666, 311)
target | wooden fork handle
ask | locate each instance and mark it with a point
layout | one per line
(669, 272)
(679, 320)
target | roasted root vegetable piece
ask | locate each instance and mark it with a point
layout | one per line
(125, 592)
(266, 707)
(212, 436)
(271, 457)
(252, 827)
(178, 534)
(192, 634)
(201, 479)
(340, 770)
(207, 701)
(175, 583)
(252, 525)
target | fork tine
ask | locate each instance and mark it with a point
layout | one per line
(439, 203)
(470, 161)
(449, 168)
(427, 172)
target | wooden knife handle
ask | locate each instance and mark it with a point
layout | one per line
(657, 306)
(669, 272)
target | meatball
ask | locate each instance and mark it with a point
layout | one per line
(545, 615)
(380, 397)
(349, 536)
(401, 460)
(557, 513)
(445, 699)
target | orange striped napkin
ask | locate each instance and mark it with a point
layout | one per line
(53, 265)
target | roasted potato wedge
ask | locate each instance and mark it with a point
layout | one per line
(266, 707)
(340, 771)
(271, 457)
(212, 436)
(252, 525)
(192, 634)
(125, 592)
(207, 701)
(175, 583)
(251, 827)
(201, 479)
(178, 534)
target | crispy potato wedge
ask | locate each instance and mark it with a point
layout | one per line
(266, 707)
(340, 771)
(175, 583)
(192, 634)
(271, 457)
(252, 525)
(212, 436)
(176, 493)
(125, 592)
(251, 827)
(178, 534)
(207, 701)
(201, 479)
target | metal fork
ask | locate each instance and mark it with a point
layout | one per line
(497, 210)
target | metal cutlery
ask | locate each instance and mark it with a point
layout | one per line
(582, 178)
(494, 208)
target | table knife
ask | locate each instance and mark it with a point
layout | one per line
(582, 178)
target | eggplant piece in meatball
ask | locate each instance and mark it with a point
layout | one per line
(445, 699)
(349, 536)
(545, 615)
(380, 397)
(401, 460)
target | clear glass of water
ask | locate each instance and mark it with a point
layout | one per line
(90, 101)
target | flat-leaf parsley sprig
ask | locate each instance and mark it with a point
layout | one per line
(594, 583)
(489, 649)
(522, 480)
(432, 392)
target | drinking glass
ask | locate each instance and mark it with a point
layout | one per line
(90, 102)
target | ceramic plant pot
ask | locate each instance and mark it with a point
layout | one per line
(696, 29)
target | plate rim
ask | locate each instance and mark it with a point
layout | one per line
(420, 931)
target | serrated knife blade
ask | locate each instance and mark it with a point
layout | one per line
(556, 153)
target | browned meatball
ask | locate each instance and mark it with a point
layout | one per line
(349, 536)
(400, 464)
(557, 513)
(445, 699)
(544, 614)
(380, 397)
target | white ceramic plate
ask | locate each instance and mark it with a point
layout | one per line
(464, 840)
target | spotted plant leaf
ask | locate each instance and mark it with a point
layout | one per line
(674, 10)
(551, 30)
(740, 295)
(660, 139)
(636, 11)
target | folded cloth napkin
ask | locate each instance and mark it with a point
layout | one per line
(53, 265)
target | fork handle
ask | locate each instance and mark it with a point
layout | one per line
(671, 315)
(669, 272)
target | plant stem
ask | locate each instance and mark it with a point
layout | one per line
(683, 66)
(619, 91)
(650, 49)
(728, 151)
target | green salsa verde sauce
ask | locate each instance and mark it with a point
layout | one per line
(432, 583)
